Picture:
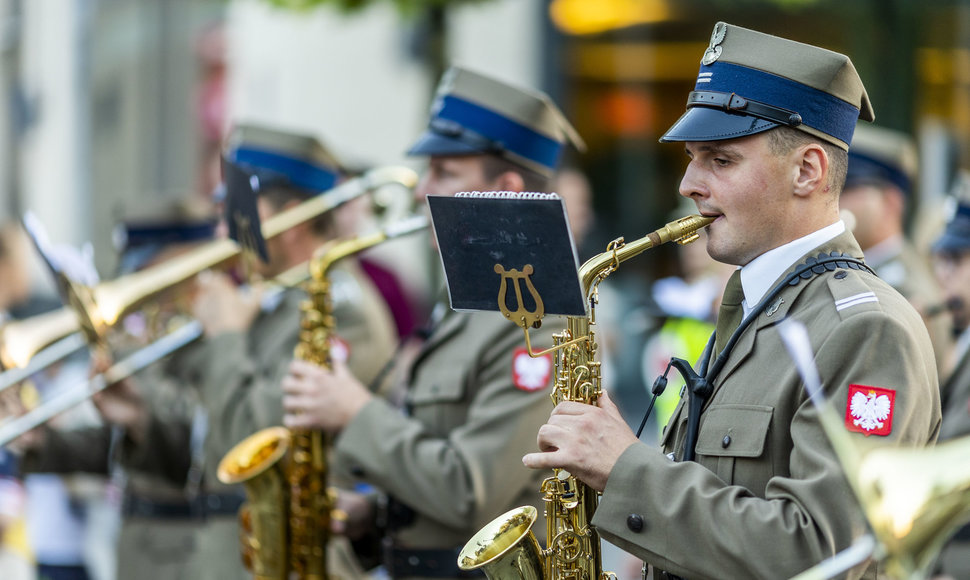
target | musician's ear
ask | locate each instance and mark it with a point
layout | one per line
(509, 181)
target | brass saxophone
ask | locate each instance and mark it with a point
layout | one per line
(506, 548)
(286, 519)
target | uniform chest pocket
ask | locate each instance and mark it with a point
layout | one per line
(438, 400)
(730, 434)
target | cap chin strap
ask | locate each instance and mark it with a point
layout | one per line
(735, 103)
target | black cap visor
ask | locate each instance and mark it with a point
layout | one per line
(707, 124)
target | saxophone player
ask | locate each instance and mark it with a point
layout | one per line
(747, 485)
(449, 462)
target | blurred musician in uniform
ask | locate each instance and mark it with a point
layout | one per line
(158, 515)
(251, 331)
(448, 460)
(879, 189)
(951, 261)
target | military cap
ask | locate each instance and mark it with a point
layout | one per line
(881, 155)
(474, 114)
(750, 82)
(956, 234)
(141, 236)
(283, 158)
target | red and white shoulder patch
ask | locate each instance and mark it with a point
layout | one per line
(869, 410)
(530, 374)
(339, 349)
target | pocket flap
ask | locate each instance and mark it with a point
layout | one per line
(734, 431)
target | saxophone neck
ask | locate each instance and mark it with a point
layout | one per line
(332, 252)
(682, 231)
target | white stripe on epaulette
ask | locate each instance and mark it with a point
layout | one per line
(704, 77)
(855, 300)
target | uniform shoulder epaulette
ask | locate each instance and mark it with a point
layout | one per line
(823, 263)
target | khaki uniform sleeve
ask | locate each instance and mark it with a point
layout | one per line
(467, 476)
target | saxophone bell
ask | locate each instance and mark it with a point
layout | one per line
(506, 548)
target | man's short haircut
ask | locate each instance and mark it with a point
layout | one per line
(783, 140)
(278, 195)
(493, 166)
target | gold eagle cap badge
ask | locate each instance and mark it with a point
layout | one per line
(713, 51)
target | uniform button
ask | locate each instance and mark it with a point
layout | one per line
(634, 522)
(840, 274)
(726, 441)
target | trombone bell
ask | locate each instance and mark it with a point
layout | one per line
(914, 499)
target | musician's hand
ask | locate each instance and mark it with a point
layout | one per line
(221, 306)
(356, 514)
(121, 403)
(12, 406)
(318, 398)
(584, 440)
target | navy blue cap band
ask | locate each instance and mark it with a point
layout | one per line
(863, 168)
(507, 134)
(297, 172)
(168, 233)
(962, 211)
(818, 109)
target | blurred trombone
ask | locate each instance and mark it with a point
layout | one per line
(184, 335)
(914, 498)
(92, 311)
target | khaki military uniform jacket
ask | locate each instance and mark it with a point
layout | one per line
(455, 458)
(955, 557)
(767, 497)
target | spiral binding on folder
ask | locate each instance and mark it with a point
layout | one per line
(508, 194)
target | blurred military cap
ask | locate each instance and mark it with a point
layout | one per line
(474, 114)
(160, 224)
(750, 82)
(956, 234)
(878, 155)
(283, 158)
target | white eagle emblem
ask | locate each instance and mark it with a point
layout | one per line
(530, 374)
(870, 411)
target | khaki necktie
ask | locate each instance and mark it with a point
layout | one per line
(730, 314)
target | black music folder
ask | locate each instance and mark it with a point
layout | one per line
(241, 212)
(482, 235)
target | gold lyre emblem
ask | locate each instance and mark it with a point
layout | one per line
(521, 316)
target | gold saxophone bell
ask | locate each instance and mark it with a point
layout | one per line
(506, 548)
(256, 461)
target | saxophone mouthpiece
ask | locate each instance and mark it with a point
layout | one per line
(684, 230)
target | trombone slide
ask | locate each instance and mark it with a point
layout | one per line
(121, 370)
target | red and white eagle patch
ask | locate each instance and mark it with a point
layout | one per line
(869, 410)
(339, 349)
(530, 374)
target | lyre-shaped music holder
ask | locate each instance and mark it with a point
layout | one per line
(508, 252)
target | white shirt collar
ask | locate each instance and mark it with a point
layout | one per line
(759, 274)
